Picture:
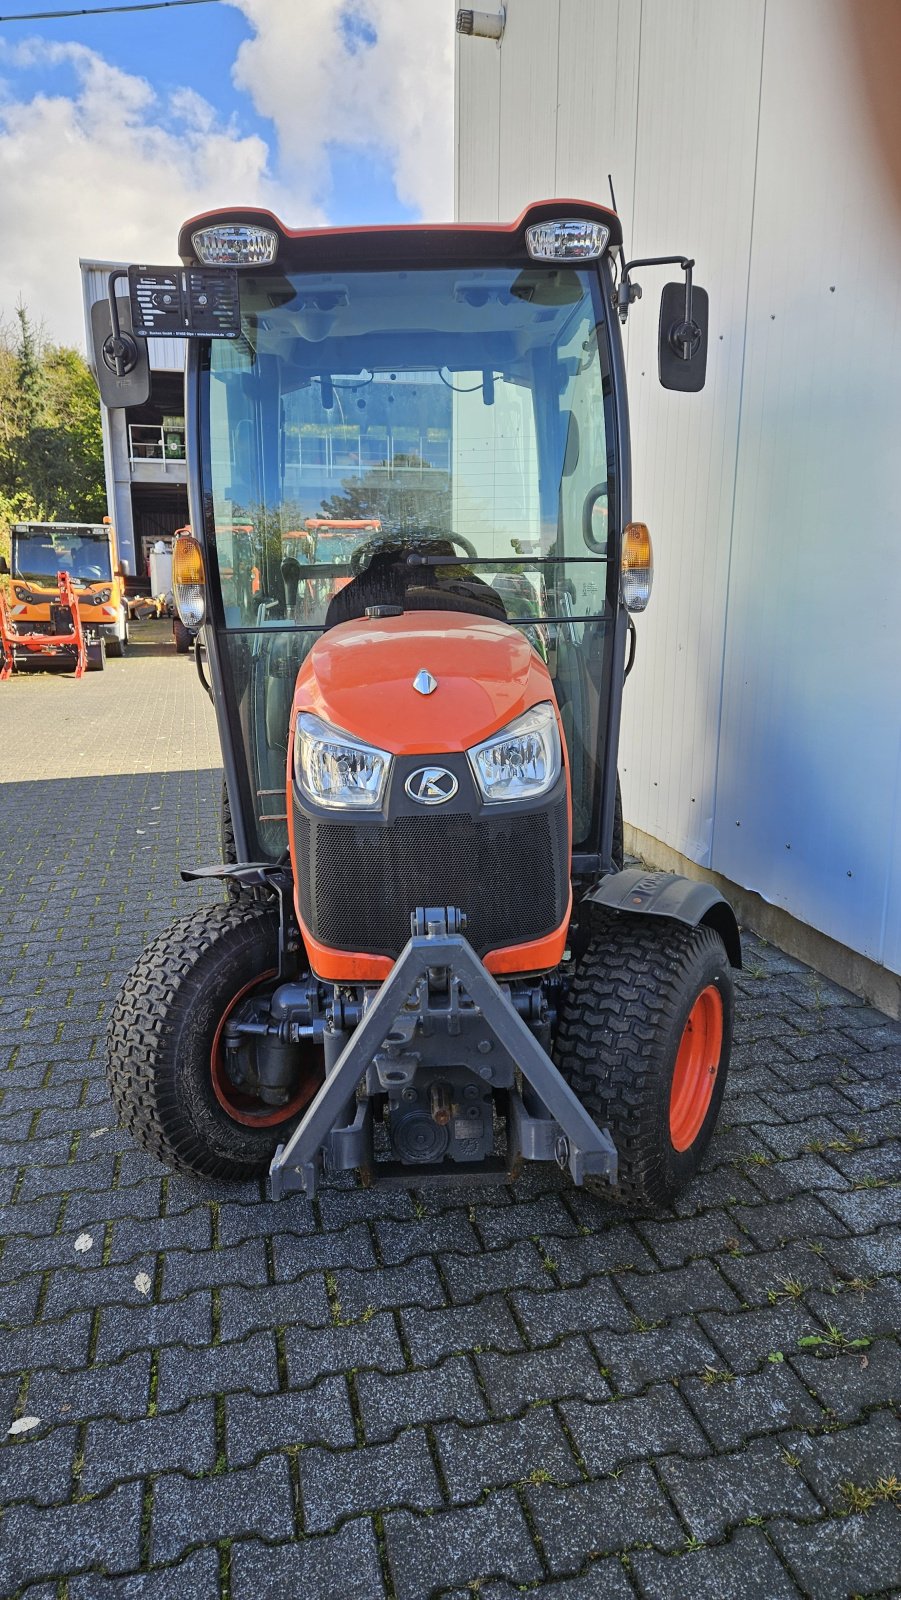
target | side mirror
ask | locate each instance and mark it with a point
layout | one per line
(682, 337)
(4, 567)
(128, 388)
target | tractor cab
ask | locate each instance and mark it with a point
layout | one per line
(415, 568)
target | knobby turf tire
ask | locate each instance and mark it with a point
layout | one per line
(182, 636)
(620, 1028)
(160, 1037)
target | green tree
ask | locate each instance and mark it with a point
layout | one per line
(51, 445)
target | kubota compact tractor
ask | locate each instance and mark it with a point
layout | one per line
(431, 961)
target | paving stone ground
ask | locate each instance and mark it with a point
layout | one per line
(499, 1391)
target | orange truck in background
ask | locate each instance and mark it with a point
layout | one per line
(87, 552)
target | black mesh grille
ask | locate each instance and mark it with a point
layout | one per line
(359, 881)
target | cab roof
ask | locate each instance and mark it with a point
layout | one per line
(408, 244)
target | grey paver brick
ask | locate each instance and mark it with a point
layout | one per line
(716, 1494)
(458, 1547)
(196, 1577)
(761, 1403)
(247, 1500)
(312, 1353)
(295, 1255)
(604, 1580)
(657, 1295)
(848, 1383)
(565, 1371)
(857, 1455)
(63, 1344)
(746, 1340)
(181, 1322)
(532, 1448)
(614, 1249)
(190, 1231)
(630, 1430)
(121, 1389)
(336, 1483)
(804, 1217)
(38, 1467)
(401, 1241)
(258, 1423)
(578, 1523)
(116, 1451)
(675, 1243)
(743, 1567)
(236, 1264)
(487, 1325)
(415, 1284)
(64, 1539)
(596, 1305)
(274, 1305)
(338, 1206)
(188, 1374)
(517, 1265)
(239, 1223)
(338, 1566)
(448, 1390)
(845, 1555)
(636, 1359)
(865, 1209)
(760, 1274)
(547, 1217)
(862, 1314)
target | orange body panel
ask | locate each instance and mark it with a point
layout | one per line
(487, 674)
(359, 677)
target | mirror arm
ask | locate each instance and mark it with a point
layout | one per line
(119, 351)
(627, 292)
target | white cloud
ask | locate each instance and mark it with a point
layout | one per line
(110, 172)
(366, 73)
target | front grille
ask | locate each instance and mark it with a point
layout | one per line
(359, 880)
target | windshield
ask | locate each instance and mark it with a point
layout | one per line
(421, 438)
(40, 554)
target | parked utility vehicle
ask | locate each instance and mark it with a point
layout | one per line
(433, 963)
(87, 553)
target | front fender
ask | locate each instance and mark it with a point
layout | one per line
(637, 892)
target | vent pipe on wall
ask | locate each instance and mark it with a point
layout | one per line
(482, 24)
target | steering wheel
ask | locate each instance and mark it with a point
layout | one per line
(363, 554)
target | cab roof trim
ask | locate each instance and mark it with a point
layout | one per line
(408, 244)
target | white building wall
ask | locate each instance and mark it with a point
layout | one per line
(762, 726)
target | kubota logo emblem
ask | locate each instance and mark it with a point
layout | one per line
(431, 786)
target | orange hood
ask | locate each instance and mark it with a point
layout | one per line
(359, 677)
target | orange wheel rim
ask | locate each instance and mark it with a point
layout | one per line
(244, 1108)
(697, 1065)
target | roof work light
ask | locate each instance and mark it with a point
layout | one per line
(573, 239)
(241, 244)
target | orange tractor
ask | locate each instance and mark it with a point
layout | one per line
(432, 962)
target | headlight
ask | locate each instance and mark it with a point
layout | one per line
(522, 761)
(100, 596)
(21, 594)
(335, 769)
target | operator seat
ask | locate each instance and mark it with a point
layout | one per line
(389, 581)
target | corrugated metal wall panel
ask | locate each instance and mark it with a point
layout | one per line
(811, 723)
(767, 687)
(694, 186)
(477, 118)
(528, 106)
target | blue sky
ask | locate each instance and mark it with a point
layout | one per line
(114, 128)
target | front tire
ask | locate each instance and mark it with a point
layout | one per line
(182, 637)
(162, 1045)
(644, 1040)
(116, 647)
